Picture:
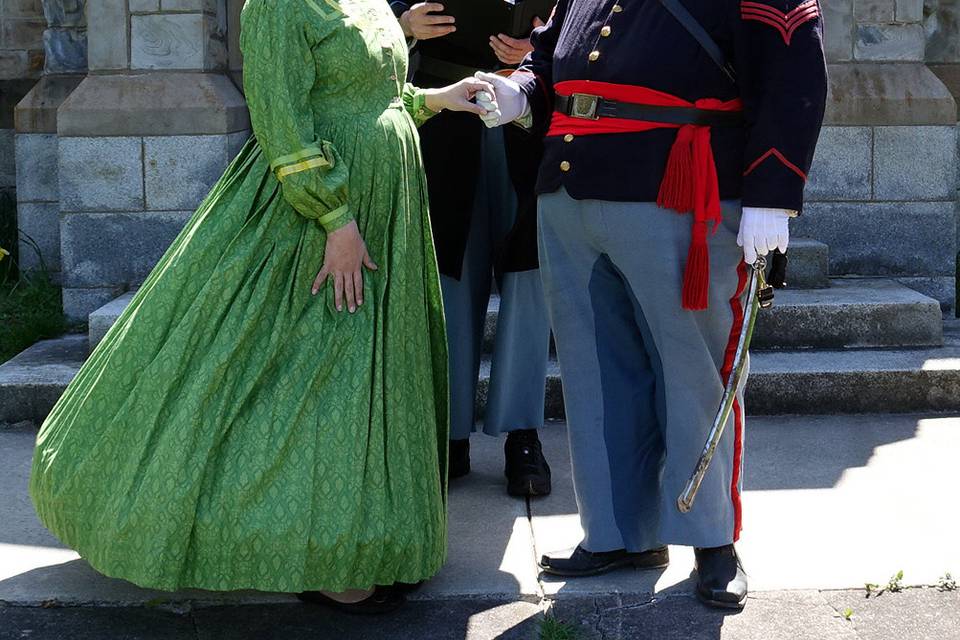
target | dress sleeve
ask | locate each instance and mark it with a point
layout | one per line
(414, 101)
(279, 73)
(783, 78)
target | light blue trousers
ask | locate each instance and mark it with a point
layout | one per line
(515, 397)
(642, 378)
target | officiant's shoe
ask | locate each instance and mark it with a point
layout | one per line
(590, 563)
(458, 462)
(721, 580)
(527, 471)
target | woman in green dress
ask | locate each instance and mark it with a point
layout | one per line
(250, 423)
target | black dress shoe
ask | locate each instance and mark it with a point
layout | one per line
(589, 563)
(527, 471)
(458, 463)
(721, 580)
(382, 600)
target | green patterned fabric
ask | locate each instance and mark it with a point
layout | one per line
(233, 431)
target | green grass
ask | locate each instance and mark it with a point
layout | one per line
(30, 307)
(553, 629)
(30, 310)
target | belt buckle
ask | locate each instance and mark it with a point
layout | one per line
(584, 106)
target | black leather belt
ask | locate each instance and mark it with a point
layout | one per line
(590, 107)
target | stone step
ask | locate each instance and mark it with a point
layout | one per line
(100, 321)
(865, 312)
(821, 382)
(31, 382)
(808, 264)
(781, 382)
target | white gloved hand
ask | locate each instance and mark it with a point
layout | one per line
(489, 102)
(762, 231)
(509, 103)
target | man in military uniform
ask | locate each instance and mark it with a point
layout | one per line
(483, 213)
(649, 110)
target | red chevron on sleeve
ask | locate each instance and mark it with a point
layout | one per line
(785, 23)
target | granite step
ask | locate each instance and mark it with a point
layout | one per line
(808, 264)
(32, 381)
(827, 381)
(851, 313)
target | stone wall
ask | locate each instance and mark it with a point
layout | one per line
(21, 62)
(883, 189)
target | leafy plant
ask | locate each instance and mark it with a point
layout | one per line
(847, 613)
(553, 629)
(894, 585)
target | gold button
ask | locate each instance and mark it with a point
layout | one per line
(605, 31)
(568, 137)
(617, 8)
(564, 166)
(594, 56)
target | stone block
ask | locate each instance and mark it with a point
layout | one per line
(101, 174)
(154, 104)
(168, 41)
(915, 163)
(8, 169)
(37, 112)
(65, 13)
(941, 288)
(39, 225)
(100, 321)
(942, 25)
(33, 381)
(25, 33)
(838, 30)
(890, 42)
(22, 9)
(209, 6)
(842, 167)
(180, 170)
(875, 10)
(78, 302)
(887, 94)
(66, 51)
(949, 74)
(16, 64)
(884, 238)
(36, 158)
(115, 249)
(108, 36)
(144, 6)
(909, 10)
(235, 142)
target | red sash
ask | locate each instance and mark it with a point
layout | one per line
(689, 182)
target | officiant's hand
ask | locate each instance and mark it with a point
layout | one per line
(512, 51)
(458, 97)
(422, 21)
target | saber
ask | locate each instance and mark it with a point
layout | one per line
(760, 296)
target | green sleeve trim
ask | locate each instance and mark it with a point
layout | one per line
(335, 219)
(303, 154)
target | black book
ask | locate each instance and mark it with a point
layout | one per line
(477, 20)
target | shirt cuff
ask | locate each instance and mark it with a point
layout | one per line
(790, 213)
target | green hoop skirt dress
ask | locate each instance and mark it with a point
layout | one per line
(233, 431)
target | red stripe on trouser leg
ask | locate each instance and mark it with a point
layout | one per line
(736, 305)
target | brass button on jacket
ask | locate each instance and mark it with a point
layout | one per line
(568, 137)
(617, 8)
(594, 56)
(564, 166)
(605, 31)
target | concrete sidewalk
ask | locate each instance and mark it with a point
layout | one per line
(831, 503)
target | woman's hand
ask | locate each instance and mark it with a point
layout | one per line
(512, 51)
(423, 23)
(344, 259)
(458, 97)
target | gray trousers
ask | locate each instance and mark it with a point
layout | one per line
(515, 397)
(643, 378)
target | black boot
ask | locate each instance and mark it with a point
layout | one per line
(721, 580)
(458, 462)
(528, 473)
(589, 563)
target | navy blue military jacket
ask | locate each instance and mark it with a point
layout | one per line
(776, 49)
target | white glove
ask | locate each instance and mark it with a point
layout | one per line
(762, 231)
(508, 104)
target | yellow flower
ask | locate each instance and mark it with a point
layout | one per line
(3, 253)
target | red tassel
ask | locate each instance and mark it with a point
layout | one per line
(678, 187)
(696, 276)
